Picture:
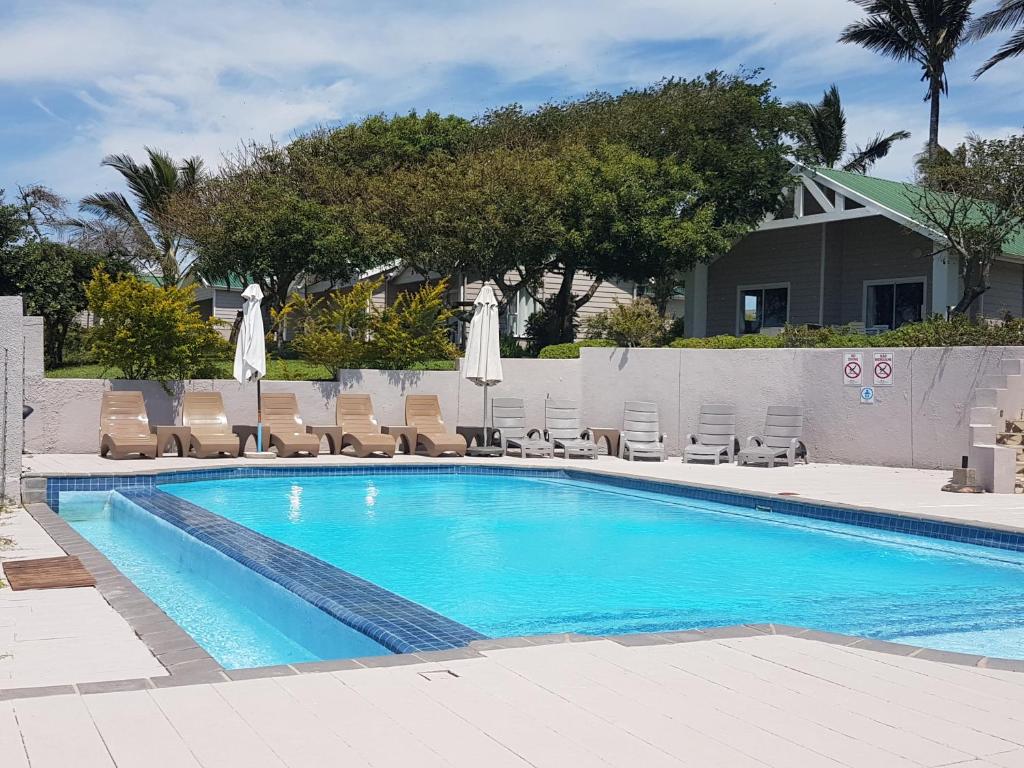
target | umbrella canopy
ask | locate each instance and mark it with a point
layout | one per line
(251, 351)
(482, 364)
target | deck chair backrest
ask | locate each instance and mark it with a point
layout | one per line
(123, 413)
(782, 424)
(640, 422)
(355, 414)
(562, 419)
(717, 424)
(509, 415)
(280, 412)
(204, 413)
(424, 413)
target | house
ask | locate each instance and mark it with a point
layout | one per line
(848, 249)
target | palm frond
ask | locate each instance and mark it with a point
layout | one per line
(110, 206)
(863, 158)
(1009, 14)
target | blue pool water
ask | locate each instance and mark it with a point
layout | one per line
(514, 555)
(241, 618)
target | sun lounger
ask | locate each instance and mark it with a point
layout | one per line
(424, 413)
(203, 413)
(508, 415)
(562, 428)
(641, 436)
(360, 429)
(124, 426)
(279, 411)
(783, 428)
(716, 435)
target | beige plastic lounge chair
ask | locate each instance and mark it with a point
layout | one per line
(562, 428)
(203, 413)
(424, 413)
(641, 436)
(716, 435)
(124, 426)
(783, 427)
(279, 412)
(508, 415)
(360, 428)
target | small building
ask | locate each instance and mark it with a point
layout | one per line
(848, 249)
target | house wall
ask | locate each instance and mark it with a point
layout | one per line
(1006, 293)
(877, 248)
(856, 250)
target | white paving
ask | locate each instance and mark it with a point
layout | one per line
(60, 636)
(760, 701)
(904, 491)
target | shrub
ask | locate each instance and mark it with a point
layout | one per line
(638, 324)
(571, 350)
(346, 330)
(727, 342)
(150, 332)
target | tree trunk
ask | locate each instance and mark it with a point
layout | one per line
(933, 125)
(975, 284)
(564, 309)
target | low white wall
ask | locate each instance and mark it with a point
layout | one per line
(920, 421)
(12, 376)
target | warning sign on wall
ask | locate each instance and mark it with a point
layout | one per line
(853, 368)
(884, 369)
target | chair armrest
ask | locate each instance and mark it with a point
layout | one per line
(536, 432)
(755, 441)
(690, 439)
(663, 437)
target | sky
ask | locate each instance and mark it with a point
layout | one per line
(197, 77)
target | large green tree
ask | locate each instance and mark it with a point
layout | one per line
(977, 205)
(925, 32)
(820, 133)
(144, 233)
(1009, 15)
(49, 275)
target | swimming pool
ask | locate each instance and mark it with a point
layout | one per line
(513, 555)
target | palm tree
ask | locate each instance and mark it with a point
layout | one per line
(927, 32)
(820, 132)
(146, 237)
(1009, 15)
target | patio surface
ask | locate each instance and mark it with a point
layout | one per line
(759, 701)
(904, 491)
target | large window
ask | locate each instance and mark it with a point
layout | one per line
(763, 306)
(894, 303)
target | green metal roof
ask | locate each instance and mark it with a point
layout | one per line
(896, 196)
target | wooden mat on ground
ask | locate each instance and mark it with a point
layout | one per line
(47, 573)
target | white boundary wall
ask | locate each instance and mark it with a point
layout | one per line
(12, 376)
(920, 421)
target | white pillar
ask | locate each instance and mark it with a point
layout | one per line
(695, 324)
(945, 280)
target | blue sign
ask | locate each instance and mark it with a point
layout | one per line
(867, 395)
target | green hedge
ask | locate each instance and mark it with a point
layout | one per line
(571, 350)
(935, 332)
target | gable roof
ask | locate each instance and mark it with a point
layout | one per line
(892, 197)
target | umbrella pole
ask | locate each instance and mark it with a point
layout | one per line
(259, 416)
(487, 435)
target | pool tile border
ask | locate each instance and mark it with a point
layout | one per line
(391, 620)
(909, 523)
(480, 648)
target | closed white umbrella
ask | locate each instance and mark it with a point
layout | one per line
(251, 350)
(482, 364)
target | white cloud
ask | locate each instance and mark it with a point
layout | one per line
(198, 77)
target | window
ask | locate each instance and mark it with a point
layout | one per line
(891, 304)
(764, 306)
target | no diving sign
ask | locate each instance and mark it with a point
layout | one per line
(853, 368)
(884, 368)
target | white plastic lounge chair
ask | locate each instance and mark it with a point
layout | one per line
(562, 428)
(641, 436)
(716, 435)
(783, 427)
(508, 415)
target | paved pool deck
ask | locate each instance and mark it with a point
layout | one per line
(740, 696)
(750, 702)
(914, 492)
